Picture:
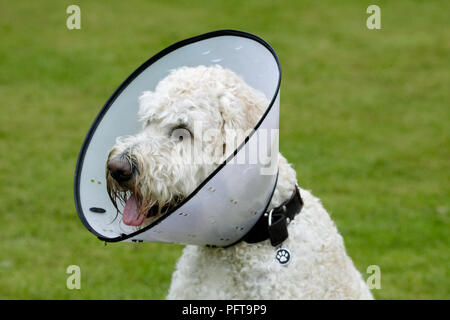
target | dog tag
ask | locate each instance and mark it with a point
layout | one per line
(283, 256)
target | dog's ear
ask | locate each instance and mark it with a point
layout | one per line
(240, 107)
(146, 104)
(255, 104)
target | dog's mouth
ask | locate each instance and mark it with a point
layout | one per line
(132, 217)
(140, 206)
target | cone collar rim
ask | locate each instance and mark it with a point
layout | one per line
(118, 91)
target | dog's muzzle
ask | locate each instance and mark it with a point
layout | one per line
(231, 200)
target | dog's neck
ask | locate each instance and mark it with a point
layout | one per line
(281, 210)
(285, 184)
(283, 191)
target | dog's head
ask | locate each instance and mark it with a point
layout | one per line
(190, 123)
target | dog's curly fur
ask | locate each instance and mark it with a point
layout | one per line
(217, 98)
(319, 268)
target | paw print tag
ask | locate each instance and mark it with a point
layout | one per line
(283, 256)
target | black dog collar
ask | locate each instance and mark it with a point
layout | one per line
(273, 224)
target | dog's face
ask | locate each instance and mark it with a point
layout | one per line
(192, 121)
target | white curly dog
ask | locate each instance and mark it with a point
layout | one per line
(152, 166)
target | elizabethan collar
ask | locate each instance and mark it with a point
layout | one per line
(230, 201)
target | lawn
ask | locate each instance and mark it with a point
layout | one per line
(364, 120)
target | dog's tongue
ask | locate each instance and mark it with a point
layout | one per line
(130, 214)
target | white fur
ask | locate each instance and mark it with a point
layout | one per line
(217, 98)
(319, 268)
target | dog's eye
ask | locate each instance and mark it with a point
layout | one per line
(180, 133)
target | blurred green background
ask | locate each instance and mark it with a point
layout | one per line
(364, 120)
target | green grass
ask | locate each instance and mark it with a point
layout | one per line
(364, 120)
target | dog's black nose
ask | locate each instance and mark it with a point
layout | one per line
(120, 169)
